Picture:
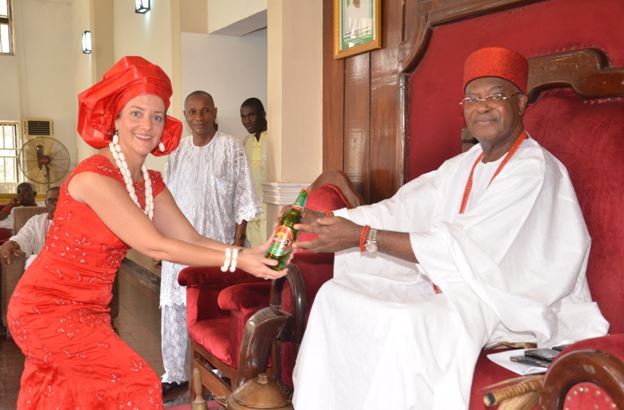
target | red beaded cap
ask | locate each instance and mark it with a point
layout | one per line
(497, 62)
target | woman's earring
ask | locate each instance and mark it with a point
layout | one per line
(116, 137)
(161, 146)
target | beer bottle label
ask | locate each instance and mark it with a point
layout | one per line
(282, 240)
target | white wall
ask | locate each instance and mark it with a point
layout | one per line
(38, 81)
(295, 85)
(223, 13)
(231, 69)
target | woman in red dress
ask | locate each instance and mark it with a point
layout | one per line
(58, 314)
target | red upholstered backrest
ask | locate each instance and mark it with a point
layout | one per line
(435, 118)
(589, 139)
(324, 198)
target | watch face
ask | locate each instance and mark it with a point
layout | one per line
(371, 246)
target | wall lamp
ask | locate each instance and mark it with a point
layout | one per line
(141, 6)
(86, 42)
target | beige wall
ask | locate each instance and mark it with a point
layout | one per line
(46, 75)
(230, 68)
(295, 89)
(222, 13)
(38, 81)
(154, 36)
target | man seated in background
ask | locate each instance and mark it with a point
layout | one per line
(254, 120)
(25, 196)
(31, 237)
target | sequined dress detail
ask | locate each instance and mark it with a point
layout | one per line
(59, 315)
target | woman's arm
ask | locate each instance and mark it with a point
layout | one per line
(112, 204)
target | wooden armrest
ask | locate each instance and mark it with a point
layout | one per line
(211, 276)
(11, 274)
(592, 366)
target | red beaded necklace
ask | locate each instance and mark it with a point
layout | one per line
(523, 135)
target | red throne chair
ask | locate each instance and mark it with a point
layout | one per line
(220, 305)
(577, 112)
(576, 84)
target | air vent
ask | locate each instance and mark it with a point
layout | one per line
(38, 127)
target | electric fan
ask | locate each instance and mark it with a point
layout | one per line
(43, 160)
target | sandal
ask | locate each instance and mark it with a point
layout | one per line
(168, 387)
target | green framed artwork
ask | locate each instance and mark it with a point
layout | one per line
(357, 26)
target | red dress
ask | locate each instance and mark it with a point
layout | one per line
(59, 316)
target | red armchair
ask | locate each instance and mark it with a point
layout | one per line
(218, 306)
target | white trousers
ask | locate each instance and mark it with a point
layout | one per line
(174, 343)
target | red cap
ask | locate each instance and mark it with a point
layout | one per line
(497, 62)
(99, 105)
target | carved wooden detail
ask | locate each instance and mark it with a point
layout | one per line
(429, 14)
(591, 366)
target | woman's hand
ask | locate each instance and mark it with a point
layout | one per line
(334, 233)
(253, 260)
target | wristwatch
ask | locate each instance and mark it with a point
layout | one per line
(371, 241)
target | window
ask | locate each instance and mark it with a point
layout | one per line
(6, 43)
(10, 142)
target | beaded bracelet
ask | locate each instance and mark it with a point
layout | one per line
(234, 259)
(226, 261)
(363, 235)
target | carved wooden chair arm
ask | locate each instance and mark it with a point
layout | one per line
(592, 366)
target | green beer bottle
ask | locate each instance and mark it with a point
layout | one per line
(286, 234)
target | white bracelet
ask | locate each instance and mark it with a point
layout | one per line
(234, 259)
(226, 261)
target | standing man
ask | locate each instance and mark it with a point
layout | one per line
(490, 247)
(209, 178)
(253, 118)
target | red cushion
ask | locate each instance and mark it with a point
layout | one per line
(327, 197)
(486, 373)
(214, 336)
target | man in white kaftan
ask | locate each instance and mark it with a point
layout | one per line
(510, 267)
(209, 178)
(29, 240)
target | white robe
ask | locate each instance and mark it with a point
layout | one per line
(213, 187)
(512, 267)
(31, 236)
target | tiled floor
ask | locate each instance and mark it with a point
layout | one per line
(137, 323)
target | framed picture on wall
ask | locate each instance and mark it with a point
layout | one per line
(357, 26)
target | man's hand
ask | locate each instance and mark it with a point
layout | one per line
(334, 233)
(10, 250)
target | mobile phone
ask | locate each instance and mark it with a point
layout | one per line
(542, 353)
(531, 361)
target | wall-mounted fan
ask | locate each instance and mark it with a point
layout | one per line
(43, 160)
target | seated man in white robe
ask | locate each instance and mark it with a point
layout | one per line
(490, 247)
(26, 195)
(31, 237)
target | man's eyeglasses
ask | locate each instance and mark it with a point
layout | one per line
(498, 97)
